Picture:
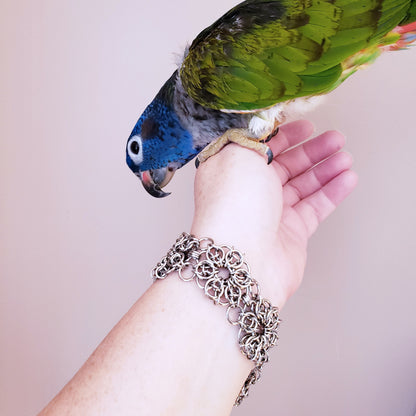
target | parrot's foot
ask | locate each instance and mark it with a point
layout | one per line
(239, 136)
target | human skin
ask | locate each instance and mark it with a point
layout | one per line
(269, 212)
(174, 353)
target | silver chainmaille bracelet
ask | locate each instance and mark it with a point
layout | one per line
(225, 278)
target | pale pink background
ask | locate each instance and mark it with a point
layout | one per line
(79, 234)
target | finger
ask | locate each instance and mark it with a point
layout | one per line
(316, 207)
(311, 181)
(290, 135)
(301, 158)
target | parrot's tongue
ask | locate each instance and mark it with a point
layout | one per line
(154, 180)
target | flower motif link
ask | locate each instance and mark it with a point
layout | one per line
(205, 270)
(233, 293)
(242, 278)
(234, 259)
(214, 289)
(216, 254)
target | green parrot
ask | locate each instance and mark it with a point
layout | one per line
(262, 61)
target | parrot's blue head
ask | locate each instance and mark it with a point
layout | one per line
(157, 146)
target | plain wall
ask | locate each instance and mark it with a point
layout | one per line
(79, 234)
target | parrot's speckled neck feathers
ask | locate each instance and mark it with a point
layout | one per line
(174, 128)
(204, 124)
(167, 92)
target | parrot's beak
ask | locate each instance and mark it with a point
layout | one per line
(155, 179)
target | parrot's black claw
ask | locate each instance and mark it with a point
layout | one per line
(270, 156)
(270, 136)
(197, 163)
(276, 130)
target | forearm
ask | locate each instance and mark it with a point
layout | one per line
(173, 353)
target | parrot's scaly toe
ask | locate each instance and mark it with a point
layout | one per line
(239, 136)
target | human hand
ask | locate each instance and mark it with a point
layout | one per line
(270, 211)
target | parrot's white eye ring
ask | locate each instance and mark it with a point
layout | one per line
(135, 149)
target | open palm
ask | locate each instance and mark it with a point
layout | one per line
(270, 211)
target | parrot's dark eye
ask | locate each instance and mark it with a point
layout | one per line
(134, 147)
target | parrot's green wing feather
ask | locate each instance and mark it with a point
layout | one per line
(411, 14)
(266, 51)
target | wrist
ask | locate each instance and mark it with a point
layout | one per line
(264, 264)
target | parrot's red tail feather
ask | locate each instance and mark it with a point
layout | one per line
(407, 36)
(411, 27)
